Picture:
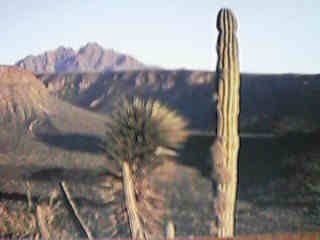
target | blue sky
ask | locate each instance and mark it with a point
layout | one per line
(275, 36)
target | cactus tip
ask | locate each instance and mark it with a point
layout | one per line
(225, 19)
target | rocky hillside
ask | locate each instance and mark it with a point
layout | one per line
(269, 103)
(23, 96)
(28, 110)
(90, 58)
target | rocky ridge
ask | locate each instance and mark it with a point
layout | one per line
(267, 101)
(90, 58)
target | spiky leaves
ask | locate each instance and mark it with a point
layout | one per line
(138, 133)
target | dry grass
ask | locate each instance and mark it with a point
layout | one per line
(16, 221)
(46, 212)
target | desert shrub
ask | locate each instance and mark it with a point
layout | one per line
(141, 132)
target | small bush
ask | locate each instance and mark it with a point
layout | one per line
(141, 132)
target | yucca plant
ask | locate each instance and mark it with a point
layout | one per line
(139, 133)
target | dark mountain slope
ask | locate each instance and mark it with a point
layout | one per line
(269, 103)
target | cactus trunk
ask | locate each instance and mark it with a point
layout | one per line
(224, 151)
(137, 232)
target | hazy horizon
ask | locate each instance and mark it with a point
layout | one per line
(274, 36)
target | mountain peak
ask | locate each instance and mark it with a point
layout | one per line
(63, 49)
(91, 46)
(92, 57)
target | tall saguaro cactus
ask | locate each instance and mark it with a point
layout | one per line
(224, 151)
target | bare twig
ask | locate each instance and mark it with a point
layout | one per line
(29, 195)
(41, 219)
(75, 212)
(170, 231)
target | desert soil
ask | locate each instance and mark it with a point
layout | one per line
(267, 203)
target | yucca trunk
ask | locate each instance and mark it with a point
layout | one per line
(136, 229)
(225, 149)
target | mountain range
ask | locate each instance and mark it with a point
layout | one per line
(90, 58)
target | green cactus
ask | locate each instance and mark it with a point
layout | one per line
(224, 151)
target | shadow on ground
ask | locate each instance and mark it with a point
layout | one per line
(74, 142)
(260, 159)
